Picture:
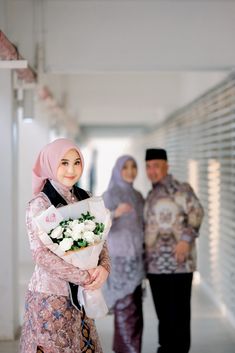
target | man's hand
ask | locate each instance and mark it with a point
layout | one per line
(98, 277)
(181, 251)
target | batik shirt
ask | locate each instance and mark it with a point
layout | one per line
(172, 213)
(52, 273)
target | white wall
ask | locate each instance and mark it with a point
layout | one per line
(200, 144)
(8, 211)
(32, 137)
(20, 27)
(108, 150)
(3, 15)
(194, 84)
(190, 86)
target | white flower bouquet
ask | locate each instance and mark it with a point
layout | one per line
(76, 233)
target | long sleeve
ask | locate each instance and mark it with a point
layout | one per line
(111, 201)
(42, 256)
(104, 258)
(194, 214)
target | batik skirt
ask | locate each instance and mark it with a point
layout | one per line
(53, 325)
(128, 323)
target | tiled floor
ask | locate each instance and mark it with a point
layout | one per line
(210, 331)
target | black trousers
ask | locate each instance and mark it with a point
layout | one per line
(172, 299)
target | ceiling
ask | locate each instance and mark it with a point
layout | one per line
(134, 99)
(124, 63)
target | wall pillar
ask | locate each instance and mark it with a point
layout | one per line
(8, 210)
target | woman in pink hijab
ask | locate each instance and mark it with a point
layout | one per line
(54, 321)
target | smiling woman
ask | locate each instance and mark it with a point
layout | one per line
(123, 290)
(70, 168)
(54, 319)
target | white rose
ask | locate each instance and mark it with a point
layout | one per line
(89, 225)
(78, 227)
(66, 244)
(57, 233)
(89, 237)
(73, 223)
(68, 233)
(77, 231)
(76, 235)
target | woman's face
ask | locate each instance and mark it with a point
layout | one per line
(70, 168)
(129, 171)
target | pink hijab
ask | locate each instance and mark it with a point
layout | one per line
(48, 161)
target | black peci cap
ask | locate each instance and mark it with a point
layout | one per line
(155, 153)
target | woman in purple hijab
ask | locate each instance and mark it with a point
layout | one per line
(123, 290)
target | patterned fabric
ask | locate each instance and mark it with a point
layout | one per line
(130, 269)
(51, 273)
(172, 213)
(87, 343)
(53, 325)
(128, 323)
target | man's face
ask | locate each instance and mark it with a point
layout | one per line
(156, 169)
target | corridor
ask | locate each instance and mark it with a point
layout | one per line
(119, 77)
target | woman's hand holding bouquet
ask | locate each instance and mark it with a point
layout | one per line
(79, 240)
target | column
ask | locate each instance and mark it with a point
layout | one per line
(8, 210)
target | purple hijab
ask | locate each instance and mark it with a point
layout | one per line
(116, 178)
(125, 239)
